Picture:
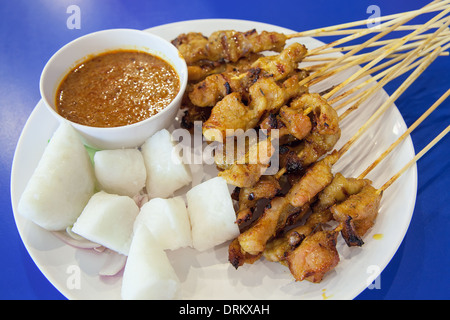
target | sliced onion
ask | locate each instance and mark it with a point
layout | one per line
(75, 240)
(114, 263)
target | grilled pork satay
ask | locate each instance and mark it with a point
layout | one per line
(339, 190)
(197, 73)
(238, 257)
(228, 45)
(278, 248)
(233, 114)
(277, 215)
(213, 88)
(357, 214)
(298, 120)
(247, 170)
(253, 239)
(204, 68)
(336, 192)
(316, 178)
(283, 211)
(266, 188)
(325, 119)
(352, 202)
(315, 256)
(297, 158)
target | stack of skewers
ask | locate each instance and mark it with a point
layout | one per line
(241, 81)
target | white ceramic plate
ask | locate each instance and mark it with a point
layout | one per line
(208, 275)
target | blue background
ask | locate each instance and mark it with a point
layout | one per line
(32, 30)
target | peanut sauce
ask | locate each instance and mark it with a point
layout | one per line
(117, 88)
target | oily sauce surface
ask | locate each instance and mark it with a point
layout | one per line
(117, 88)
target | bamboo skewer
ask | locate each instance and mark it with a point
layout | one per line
(390, 73)
(375, 56)
(431, 7)
(404, 135)
(379, 85)
(403, 17)
(412, 77)
(375, 44)
(383, 55)
(408, 27)
(434, 40)
(327, 67)
(413, 160)
(369, 57)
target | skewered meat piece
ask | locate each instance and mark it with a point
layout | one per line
(228, 45)
(214, 87)
(278, 248)
(316, 178)
(266, 188)
(239, 257)
(243, 175)
(288, 159)
(316, 134)
(296, 122)
(273, 121)
(293, 119)
(296, 159)
(282, 210)
(254, 239)
(204, 68)
(191, 45)
(246, 172)
(325, 117)
(277, 215)
(316, 145)
(229, 113)
(357, 214)
(338, 190)
(314, 257)
(279, 66)
(192, 114)
(265, 96)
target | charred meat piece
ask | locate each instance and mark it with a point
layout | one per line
(276, 216)
(266, 188)
(297, 123)
(247, 171)
(214, 87)
(316, 178)
(357, 214)
(325, 117)
(314, 257)
(339, 190)
(238, 257)
(232, 113)
(278, 248)
(204, 68)
(228, 45)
